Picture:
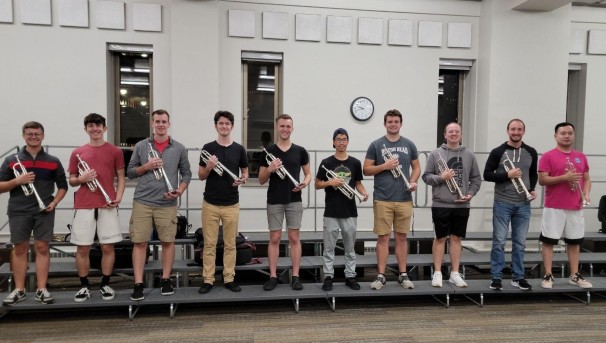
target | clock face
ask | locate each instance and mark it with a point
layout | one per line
(362, 108)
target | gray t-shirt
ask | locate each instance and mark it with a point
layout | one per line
(386, 187)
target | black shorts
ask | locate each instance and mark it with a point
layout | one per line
(450, 221)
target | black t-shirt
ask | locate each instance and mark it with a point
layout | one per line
(337, 204)
(219, 190)
(280, 191)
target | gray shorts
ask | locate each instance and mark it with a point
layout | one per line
(21, 227)
(293, 213)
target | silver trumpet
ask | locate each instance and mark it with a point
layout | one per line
(282, 172)
(398, 171)
(452, 184)
(159, 173)
(94, 184)
(518, 184)
(575, 186)
(346, 189)
(29, 189)
(219, 168)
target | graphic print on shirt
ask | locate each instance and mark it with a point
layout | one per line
(343, 172)
(456, 164)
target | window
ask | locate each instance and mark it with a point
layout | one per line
(131, 93)
(451, 82)
(575, 101)
(261, 100)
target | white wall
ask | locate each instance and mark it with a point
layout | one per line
(58, 74)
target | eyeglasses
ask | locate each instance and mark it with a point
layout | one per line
(340, 140)
(33, 134)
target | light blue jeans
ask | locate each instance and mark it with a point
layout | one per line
(502, 215)
(347, 226)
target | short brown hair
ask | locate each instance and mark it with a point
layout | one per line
(518, 120)
(160, 112)
(284, 116)
(32, 125)
(392, 113)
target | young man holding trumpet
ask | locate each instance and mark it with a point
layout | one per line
(340, 175)
(394, 162)
(157, 162)
(94, 167)
(220, 163)
(564, 172)
(30, 176)
(453, 173)
(512, 166)
(281, 166)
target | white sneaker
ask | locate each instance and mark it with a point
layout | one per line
(436, 280)
(379, 282)
(82, 295)
(577, 280)
(547, 281)
(457, 280)
(405, 281)
(107, 293)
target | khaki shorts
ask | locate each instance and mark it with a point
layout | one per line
(103, 221)
(143, 218)
(390, 214)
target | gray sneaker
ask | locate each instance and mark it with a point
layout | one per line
(577, 280)
(405, 282)
(379, 282)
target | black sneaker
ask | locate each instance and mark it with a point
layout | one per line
(496, 285)
(137, 292)
(521, 284)
(296, 284)
(166, 287)
(43, 296)
(352, 283)
(232, 286)
(15, 297)
(206, 287)
(327, 286)
(271, 284)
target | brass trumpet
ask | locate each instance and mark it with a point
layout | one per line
(453, 187)
(346, 189)
(159, 173)
(219, 168)
(575, 186)
(396, 172)
(518, 184)
(94, 184)
(29, 189)
(282, 172)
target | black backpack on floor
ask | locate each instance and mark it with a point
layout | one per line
(602, 213)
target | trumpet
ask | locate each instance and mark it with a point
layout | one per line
(282, 172)
(94, 184)
(575, 186)
(518, 184)
(346, 189)
(159, 173)
(452, 184)
(219, 168)
(29, 189)
(396, 172)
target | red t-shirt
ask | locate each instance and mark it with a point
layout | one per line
(105, 160)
